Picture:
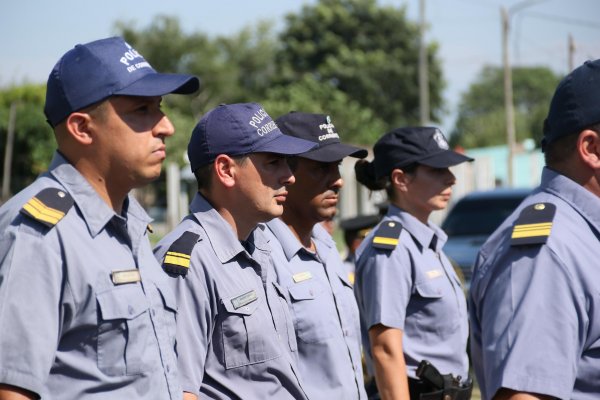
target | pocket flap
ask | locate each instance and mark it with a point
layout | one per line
(243, 304)
(429, 289)
(302, 292)
(122, 302)
(345, 277)
(168, 298)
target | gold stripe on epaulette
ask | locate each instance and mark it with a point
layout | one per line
(385, 240)
(42, 212)
(177, 259)
(532, 230)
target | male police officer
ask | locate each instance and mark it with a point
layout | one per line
(534, 300)
(235, 338)
(309, 266)
(84, 307)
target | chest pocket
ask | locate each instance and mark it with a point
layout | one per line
(247, 333)
(435, 306)
(312, 318)
(124, 331)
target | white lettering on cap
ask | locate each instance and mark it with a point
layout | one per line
(330, 130)
(130, 55)
(257, 118)
(440, 140)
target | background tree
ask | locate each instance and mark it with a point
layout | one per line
(481, 121)
(367, 51)
(34, 141)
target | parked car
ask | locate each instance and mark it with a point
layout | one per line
(472, 219)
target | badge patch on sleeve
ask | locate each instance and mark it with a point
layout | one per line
(177, 258)
(48, 206)
(387, 235)
(533, 225)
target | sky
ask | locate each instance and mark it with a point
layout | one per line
(36, 33)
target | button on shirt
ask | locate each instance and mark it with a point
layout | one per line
(235, 333)
(535, 310)
(415, 289)
(69, 332)
(324, 312)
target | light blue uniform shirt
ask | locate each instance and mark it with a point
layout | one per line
(535, 310)
(324, 312)
(69, 332)
(415, 289)
(235, 332)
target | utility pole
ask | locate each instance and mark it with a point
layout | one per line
(508, 97)
(571, 47)
(8, 151)
(508, 92)
(423, 69)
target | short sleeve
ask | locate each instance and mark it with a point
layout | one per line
(195, 323)
(384, 286)
(31, 292)
(532, 321)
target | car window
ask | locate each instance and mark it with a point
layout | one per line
(479, 216)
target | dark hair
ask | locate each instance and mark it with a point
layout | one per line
(203, 174)
(365, 174)
(559, 150)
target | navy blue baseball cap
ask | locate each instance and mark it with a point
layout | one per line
(575, 104)
(318, 129)
(239, 129)
(421, 145)
(94, 71)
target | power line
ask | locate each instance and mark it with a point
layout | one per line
(565, 20)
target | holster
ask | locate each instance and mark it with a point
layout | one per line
(452, 390)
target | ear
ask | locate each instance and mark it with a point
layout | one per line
(225, 168)
(400, 179)
(78, 127)
(588, 147)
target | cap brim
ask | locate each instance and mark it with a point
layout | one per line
(334, 152)
(157, 84)
(444, 159)
(286, 145)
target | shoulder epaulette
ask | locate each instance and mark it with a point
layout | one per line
(387, 235)
(533, 225)
(48, 206)
(177, 258)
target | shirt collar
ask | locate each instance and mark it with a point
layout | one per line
(224, 242)
(581, 199)
(422, 233)
(96, 213)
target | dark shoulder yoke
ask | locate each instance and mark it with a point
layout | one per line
(177, 258)
(387, 235)
(49, 206)
(533, 225)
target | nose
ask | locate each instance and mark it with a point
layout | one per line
(164, 127)
(337, 182)
(451, 178)
(287, 177)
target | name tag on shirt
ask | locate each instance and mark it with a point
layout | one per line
(302, 276)
(434, 273)
(126, 276)
(244, 299)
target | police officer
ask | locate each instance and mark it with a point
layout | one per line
(411, 301)
(86, 311)
(534, 296)
(355, 230)
(309, 266)
(235, 334)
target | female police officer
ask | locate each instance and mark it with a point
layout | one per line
(411, 301)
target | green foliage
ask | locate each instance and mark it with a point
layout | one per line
(310, 95)
(368, 52)
(481, 120)
(34, 141)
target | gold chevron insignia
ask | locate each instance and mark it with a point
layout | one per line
(180, 259)
(42, 212)
(385, 240)
(532, 230)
